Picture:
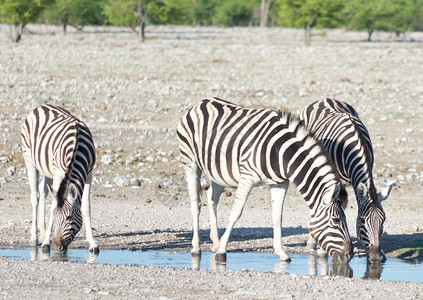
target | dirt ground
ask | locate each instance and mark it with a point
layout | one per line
(132, 95)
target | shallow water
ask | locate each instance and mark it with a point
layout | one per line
(301, 264)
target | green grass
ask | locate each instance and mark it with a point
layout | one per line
(413, 251)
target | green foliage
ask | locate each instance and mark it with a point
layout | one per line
(203, 12)
(313, 13)
(122, 12)
(385, 15)
(371, 14)
(21, 11)
(169, 12)
(238, 12)
(75, 12)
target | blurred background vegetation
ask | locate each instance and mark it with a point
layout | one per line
(397, 16)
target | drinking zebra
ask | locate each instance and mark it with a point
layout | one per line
(348, 143)
(240, 147)
(61, 148)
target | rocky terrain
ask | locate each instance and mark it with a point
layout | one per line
(132, 95)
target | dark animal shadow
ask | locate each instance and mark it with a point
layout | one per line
(181, 239)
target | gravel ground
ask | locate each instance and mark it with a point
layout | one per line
(132, 95)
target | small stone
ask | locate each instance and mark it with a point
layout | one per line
(4, 159)
(205, 187)
(228, 193)
(11, 171)
(122, 181)
(148, 200)
(107, 159)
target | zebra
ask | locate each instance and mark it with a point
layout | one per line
(348, 143)
(61, 148)
(240, 147)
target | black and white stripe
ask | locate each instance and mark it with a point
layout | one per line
(348, 143)
(61, 148)
(239, 147)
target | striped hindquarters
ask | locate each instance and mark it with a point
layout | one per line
(344, 136)
(59, 145)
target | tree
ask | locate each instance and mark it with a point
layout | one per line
(237, 13)
(131, 13)
(176, 12)
(372, 15)
(77, 13)
(309, 13)
(203, 12)
(19, 13)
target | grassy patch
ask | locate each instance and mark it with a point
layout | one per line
(414, 251)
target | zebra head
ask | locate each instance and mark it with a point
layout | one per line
(328, 225)
(67, 218)
(370, 219)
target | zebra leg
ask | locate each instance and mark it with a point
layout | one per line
(311, 243)
(44, 190)
(278, 193)
(193, 174)
(45, 246)
(311, 246)
(242, 192)
(33, 184)
(86, 214)
(214, 193)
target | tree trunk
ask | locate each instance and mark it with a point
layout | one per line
(264, 12)
(16, 32)
(142, 30)
(370, 32)
(307, 33)
(141, 21)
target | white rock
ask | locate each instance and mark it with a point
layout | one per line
(11, 171)
(4, 159)
(107, 159)
(122, 181)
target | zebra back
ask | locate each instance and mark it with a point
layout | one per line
(228, 142)
(60, 146)
(346, 139)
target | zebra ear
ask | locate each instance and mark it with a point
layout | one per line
(72, 192)
(384, 194)
(361, 193)
(332, 195)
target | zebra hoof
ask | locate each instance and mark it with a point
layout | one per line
(45, 248)
(95, 250)
(285, 259)
(220, 257)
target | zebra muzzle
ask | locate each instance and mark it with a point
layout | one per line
(344, 256)
(375, 254)
(57, 245)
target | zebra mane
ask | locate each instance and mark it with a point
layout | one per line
(65, 181)
(372, 188)
(315, 147)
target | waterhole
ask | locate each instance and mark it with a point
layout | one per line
(301, 264)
